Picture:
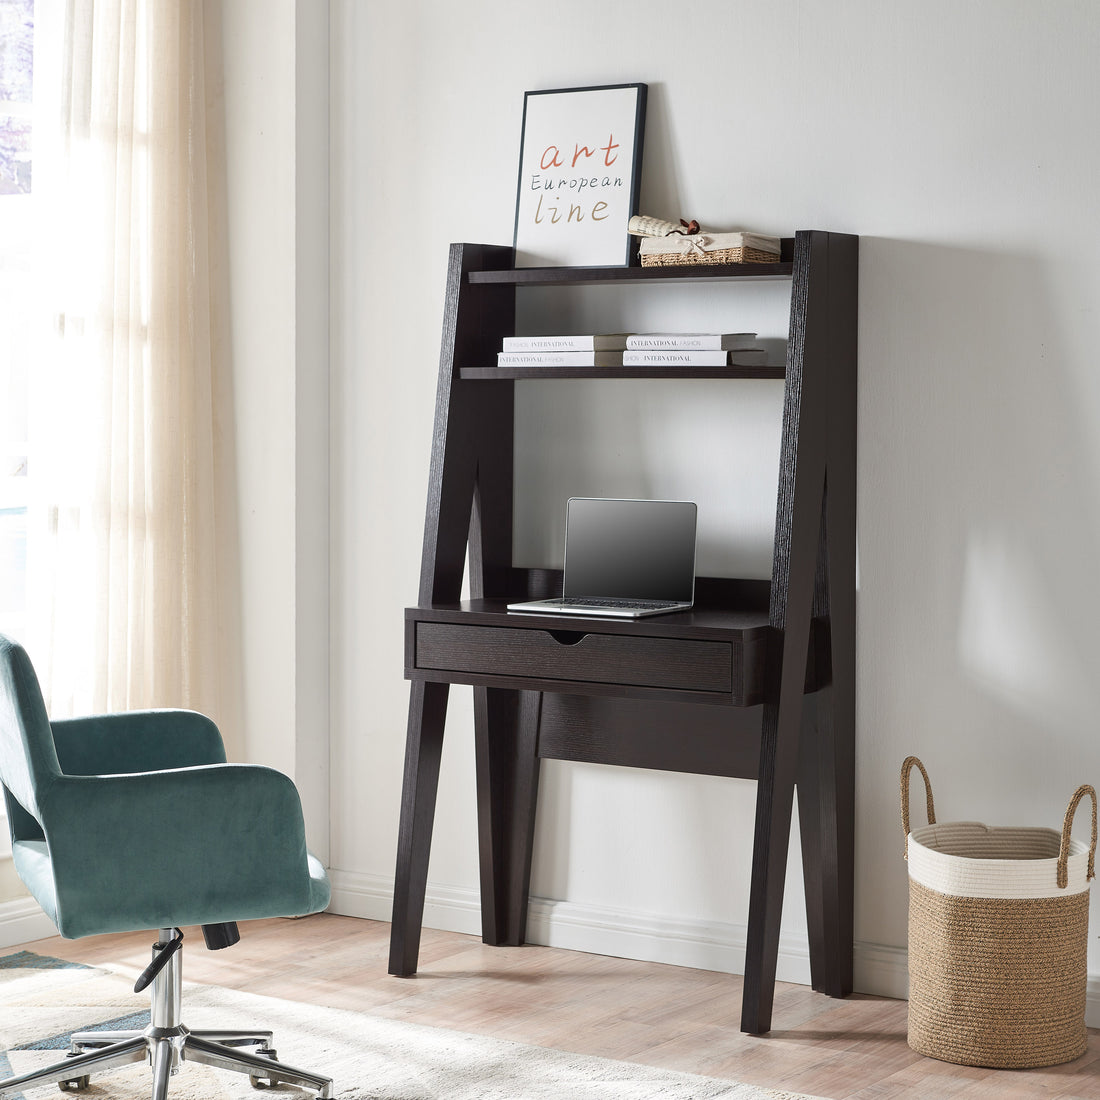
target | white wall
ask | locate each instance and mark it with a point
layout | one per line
(259, 143)
(276, 408)
(956, 139)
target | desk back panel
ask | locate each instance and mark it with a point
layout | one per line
(675, 737)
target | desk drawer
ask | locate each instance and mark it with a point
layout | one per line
(577, 655)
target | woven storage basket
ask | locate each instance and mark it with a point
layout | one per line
(678, 249)
(718, 256)
(998, 935)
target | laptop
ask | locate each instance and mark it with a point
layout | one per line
(625, 558)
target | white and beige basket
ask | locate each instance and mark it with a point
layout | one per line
(668, 244)
(998, 938)
(708, 248)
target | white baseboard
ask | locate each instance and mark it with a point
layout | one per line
(22, 920)
(878, 969)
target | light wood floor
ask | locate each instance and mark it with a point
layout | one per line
(659, 1015)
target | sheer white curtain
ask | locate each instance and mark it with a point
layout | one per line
(123, 588)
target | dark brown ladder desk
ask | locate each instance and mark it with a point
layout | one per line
(757, 681)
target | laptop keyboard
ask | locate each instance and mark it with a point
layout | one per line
(584, 601)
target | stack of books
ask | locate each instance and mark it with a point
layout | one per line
(693, 349)
(563, 351)
(653, 349)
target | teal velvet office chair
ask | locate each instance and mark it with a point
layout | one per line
(131, 821)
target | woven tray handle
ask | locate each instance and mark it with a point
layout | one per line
(1067, 826)
(906, 768)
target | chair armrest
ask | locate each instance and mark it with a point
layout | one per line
(209, 844)
(136, 741)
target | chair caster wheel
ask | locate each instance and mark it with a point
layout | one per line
(75, 1084)
(258, 1080)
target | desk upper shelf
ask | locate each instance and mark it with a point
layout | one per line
(607, 276)
(587, 276)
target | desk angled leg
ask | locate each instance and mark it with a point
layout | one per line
(774, 803)
(506, 727)
(423, 747)
(826, 767)
(813, 845)
(825, 814)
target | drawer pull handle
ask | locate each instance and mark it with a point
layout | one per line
(567, 637)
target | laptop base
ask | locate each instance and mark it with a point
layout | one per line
(562, 606)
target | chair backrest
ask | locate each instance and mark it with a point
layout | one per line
(28, 759)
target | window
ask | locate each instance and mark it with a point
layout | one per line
(16, 82)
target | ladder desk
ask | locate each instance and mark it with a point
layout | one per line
(756, 681)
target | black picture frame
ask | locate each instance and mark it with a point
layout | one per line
(580, 168)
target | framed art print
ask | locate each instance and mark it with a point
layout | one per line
(580, 166)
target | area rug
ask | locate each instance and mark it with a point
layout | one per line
(43, 1000)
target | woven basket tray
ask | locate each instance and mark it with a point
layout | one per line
(718, 256)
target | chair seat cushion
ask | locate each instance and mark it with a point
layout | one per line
(32, 862)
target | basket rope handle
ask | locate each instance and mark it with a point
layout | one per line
(906, 768)
(1067, 825)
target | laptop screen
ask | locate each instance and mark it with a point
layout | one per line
(630, 549)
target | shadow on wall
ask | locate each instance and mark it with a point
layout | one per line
(978, 530)
(660, 195)
(979, 534)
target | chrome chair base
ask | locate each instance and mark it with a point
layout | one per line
(165, 1044)
(165, 1050)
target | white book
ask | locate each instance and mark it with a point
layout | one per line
(559, 359)
(671, 357)
(607, 342)
(687, 341)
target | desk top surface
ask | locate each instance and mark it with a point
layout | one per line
(700, 622)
